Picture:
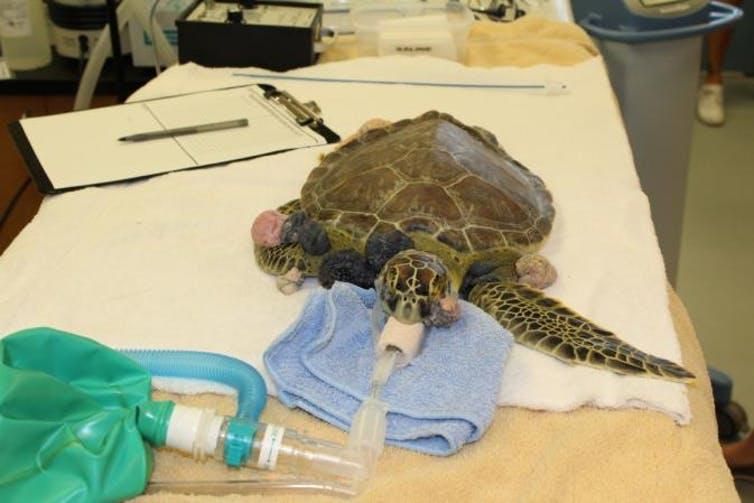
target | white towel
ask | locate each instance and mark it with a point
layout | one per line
(167, 262)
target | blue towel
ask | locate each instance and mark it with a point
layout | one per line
(445, 398)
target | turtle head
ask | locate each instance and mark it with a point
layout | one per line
(415, 287)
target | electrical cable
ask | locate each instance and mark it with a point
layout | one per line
(14, 201)
(152, 15)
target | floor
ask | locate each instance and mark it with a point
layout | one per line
(716, 270)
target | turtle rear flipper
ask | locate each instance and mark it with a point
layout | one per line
(546, 325)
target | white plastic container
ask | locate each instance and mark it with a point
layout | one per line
(413, 28)
(167, 11)
(23, 34)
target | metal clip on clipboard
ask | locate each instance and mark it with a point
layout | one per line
(305, 113)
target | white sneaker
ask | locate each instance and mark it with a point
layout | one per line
(709, 107)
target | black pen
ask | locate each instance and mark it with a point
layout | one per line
(199, 128)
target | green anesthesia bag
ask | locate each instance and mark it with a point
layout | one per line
(68, 420)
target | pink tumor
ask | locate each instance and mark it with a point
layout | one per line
(267, 228)
(450, 305)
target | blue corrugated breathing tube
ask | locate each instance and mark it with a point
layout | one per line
(252, 391)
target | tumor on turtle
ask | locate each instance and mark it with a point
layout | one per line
(435, 209)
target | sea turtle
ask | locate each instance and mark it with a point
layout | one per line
(429, 209)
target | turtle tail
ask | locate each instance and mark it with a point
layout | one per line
(546, 325)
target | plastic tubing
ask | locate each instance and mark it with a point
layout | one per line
(128, 10)
(252, 391)
(312, 464)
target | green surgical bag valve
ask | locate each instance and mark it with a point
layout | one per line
(240, 442)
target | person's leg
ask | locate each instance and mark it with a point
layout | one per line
(740, 454)
(710, 106)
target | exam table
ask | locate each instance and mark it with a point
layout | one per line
(586, 454)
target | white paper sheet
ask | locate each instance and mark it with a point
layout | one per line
(82, 148)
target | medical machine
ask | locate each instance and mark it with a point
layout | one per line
(273, 35)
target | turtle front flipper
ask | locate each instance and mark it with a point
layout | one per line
(282, 258)
(546, 325)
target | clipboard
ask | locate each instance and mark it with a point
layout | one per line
(81, 149)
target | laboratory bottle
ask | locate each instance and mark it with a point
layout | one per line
(23, 34)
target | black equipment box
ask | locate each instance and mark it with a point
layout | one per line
(273, 35)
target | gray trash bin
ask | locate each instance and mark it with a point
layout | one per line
(652, 49)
